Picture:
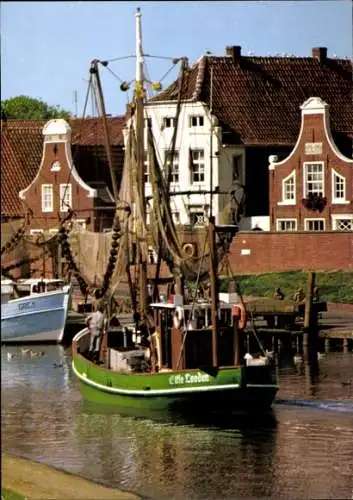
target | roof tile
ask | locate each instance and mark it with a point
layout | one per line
(260, 97)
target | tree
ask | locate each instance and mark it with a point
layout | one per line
(23, 107)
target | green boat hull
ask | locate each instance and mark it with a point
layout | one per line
(228, 389)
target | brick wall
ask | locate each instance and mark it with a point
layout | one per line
(260, 252)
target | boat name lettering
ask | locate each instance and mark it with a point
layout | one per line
(25, 305)
(189, 378)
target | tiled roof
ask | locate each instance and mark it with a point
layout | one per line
(85, 131)
(260, 97)
(20, 157)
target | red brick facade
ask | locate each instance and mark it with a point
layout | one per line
(312, 189)
(263, 252)
(57, 178)
(308, 231)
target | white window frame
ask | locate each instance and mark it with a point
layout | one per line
(312, 219)
(33, 232)
(176, 216)
(288, 201)
(335, 218)
(175, 173)
(279, 221)
(200, 164)
(202, 216)
(56, 166)
(65, 190)
(53, 231)
(146, 168)
(168, 122)
(305, 177)
(47, 204)
(196, 120)
(342, 200)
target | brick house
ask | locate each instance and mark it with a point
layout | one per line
(311, 205)
(47, 167)
(312, 189)
(255, 104)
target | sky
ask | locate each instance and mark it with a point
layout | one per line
(47, 47)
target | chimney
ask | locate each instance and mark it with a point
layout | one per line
(234, 51)
(320, 53)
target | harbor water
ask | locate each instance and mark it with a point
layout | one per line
(302, 449)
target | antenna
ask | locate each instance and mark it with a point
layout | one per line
(75, 102)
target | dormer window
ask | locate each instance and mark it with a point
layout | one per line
(288, 190)
(338, 188)
(313, 178)
(196, 121)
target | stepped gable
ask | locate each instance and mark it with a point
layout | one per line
(259, 98)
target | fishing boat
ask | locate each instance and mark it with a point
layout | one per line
(185, 351)
(39, 312)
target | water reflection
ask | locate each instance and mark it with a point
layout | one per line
(303, 449)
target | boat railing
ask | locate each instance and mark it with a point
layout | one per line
(80, 342)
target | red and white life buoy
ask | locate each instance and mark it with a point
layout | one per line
(239, 312)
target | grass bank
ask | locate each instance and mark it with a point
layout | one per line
(11, 495)
(24, 479)
(333, 286)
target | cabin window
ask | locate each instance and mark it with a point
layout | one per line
(196, 121)
(286, 224)
(168, 122)
(342, 222)
(197, 161)
(314, 178)
(146, 168)
(53, 231)
(65, 197)
(314, 224)
(47, 197)
(174, 166)
(288, 189)
(34, 232)
(338, 188)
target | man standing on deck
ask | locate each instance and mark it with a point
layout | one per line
(96, 324)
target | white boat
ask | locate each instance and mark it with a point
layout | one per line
(38, 315)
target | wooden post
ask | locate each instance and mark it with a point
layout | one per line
(327, 345)
(238, 343)
(310, 322)
(345, 345)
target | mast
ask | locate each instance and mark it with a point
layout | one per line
(139, 124)
(213, 254)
